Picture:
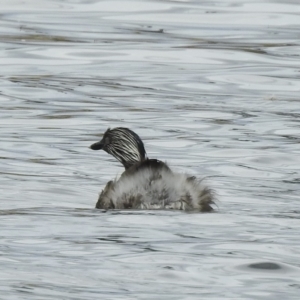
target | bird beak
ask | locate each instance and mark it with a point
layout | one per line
(97, 146)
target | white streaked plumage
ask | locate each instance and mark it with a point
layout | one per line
(149, 189)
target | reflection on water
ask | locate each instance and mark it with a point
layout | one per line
(209, 89)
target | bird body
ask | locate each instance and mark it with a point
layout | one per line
(148, 183)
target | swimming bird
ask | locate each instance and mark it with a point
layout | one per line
(148, 183)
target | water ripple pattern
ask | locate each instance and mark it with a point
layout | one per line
(212, 87)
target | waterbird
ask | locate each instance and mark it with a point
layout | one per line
(148, 183)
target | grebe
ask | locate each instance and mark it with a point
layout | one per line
(148, 183)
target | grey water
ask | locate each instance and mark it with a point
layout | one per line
(212, 87)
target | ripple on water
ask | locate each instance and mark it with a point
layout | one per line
(208, 90)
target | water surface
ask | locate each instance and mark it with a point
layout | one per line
(211, 87)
